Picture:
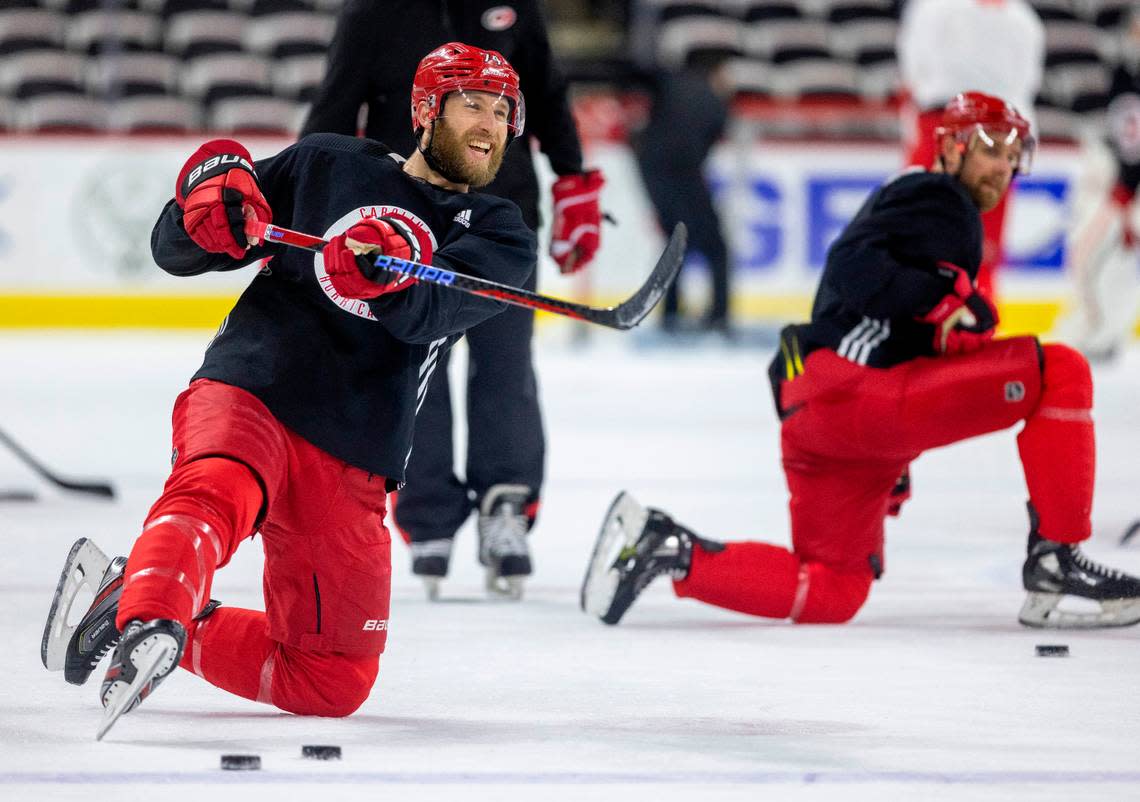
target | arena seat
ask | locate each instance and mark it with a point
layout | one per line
(291, 33)
(62, 113)
(30, 29)
(212, 77)
(127, 74)
(153, 114)
(38, 72)
(99, 31)
(198, 33)
(255, 115)
(298, 77)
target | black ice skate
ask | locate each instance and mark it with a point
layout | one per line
(147, 652)
(77, 649)
(430, 560)
(636, 545)
(503, 525)
(1055, 573)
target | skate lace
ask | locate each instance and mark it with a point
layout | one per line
(661, 559)
(98, 656)
(1092, 567)
(113, 576)
(503, 533)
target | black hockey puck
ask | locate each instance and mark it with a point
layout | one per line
(321, 752)
(1052, 650)
(241, 762)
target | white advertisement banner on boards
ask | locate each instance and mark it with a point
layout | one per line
(76, 214)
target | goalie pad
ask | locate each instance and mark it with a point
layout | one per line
(84, 568)
(1103, 266)
(1105, 273)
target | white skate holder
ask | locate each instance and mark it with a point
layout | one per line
(84, 567)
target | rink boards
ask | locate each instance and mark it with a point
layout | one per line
(76, 214)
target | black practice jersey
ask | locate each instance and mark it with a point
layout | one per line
(1123, 120)
(882, 271)
(373, 57)
(348, 375)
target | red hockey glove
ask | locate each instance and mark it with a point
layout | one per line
(217, 189)
(350, 258)
(1122, 196)
(577, 225)
(964, 319)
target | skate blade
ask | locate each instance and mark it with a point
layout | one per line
(162, 652)
(1042, 611)
(621, 527)
(431, 587)
(504, 587)
(84, 567)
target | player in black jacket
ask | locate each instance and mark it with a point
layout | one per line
(688, 115)
(371, 60)
(300, 418)
(898, 358)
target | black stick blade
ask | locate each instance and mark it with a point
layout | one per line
(633, 310)
(103, 489)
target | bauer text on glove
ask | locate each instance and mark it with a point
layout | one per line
(217, 190)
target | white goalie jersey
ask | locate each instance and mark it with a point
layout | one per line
(951, 46)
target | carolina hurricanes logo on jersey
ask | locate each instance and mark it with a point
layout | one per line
(499, 18)
(423, 247)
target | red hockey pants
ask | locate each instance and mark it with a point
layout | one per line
(852, 432)
(327, 572)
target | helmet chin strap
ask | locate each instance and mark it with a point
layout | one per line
(431, 160)
(426, 151)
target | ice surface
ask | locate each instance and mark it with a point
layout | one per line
(933, 691)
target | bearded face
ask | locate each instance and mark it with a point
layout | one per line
(989, 166)
(469, 139)
(985, 166)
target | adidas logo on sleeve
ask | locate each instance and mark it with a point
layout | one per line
(463, 218)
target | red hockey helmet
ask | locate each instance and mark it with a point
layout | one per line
(455, 67)
(976, 113)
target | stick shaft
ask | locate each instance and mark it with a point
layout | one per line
(448, 278)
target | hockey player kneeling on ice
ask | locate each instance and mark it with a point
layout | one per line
(899, 357)
(299, 422)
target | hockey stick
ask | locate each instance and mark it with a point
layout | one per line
(624, 316)
(93, 488)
